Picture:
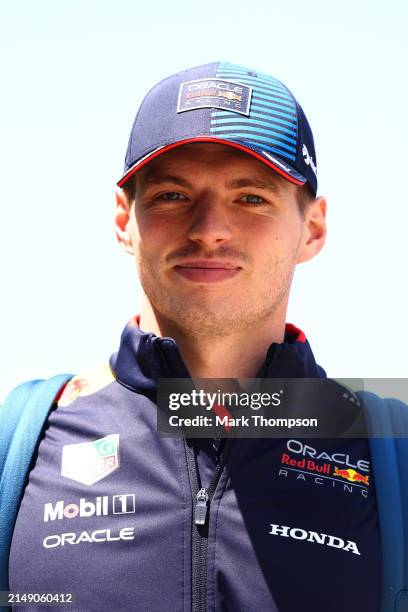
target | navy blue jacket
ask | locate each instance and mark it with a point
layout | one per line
(108, 511)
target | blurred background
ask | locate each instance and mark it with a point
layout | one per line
(73, 73)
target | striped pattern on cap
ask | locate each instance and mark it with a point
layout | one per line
(272, 123)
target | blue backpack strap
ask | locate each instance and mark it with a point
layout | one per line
(10, 412)
(22, 419)
(388, 419)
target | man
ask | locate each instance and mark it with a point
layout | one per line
(217, 205)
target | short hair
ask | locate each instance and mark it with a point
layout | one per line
(129, 189)
(304, 195)
(304, 198)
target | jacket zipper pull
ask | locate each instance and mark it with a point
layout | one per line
(200, 513)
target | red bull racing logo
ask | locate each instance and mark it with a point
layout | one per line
(214, 93)
(304, 462)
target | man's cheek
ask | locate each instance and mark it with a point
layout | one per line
(147, 257)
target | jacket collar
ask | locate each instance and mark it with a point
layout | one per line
(144, 357)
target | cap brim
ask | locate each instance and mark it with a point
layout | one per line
(273, 161)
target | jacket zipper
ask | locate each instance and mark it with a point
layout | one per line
(201, 500)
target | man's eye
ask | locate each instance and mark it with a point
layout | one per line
(250, 198)
(172, 195)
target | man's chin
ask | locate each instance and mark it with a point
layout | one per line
(213, 318)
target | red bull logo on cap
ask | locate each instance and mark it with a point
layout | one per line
(214, 93)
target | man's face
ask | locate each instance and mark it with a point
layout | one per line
(216, 236)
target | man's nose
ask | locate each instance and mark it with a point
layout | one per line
(211, 222)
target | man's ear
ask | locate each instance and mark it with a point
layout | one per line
(121, 221)
(314, 230)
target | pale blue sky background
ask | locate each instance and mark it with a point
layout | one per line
(72, 76)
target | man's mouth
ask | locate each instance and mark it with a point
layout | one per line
(207, 271)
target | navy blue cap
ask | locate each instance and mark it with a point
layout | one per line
(227, 104)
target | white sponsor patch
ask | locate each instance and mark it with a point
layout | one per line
(89, 462)
(214, 92)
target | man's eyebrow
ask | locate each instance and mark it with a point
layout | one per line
(239, 183)
(254, 182)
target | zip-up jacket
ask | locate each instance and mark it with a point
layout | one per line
(126, 519)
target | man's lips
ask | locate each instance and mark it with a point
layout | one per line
(207, 271)
(208, 263)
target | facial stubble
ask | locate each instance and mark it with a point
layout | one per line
(204, 311)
